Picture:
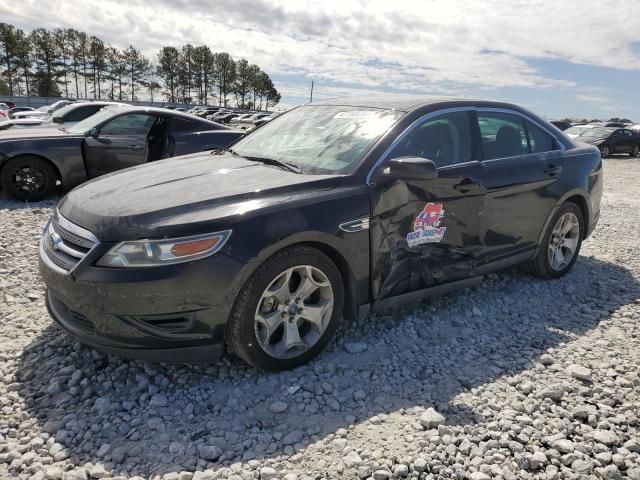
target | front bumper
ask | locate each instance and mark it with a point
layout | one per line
(174, 314)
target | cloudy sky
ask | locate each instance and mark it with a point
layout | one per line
(557, 57)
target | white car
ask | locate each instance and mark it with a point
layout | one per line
(635, 128)
(44, 110)
(577, 130)
(65, 116)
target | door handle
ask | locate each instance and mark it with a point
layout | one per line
(467, 185)
(553, 170)
(135, 147)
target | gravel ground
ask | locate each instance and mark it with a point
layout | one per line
(518, 378)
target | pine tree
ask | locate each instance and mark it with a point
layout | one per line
(168, 59)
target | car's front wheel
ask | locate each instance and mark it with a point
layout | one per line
(561, 243)
(288, 310)
(605, 151)
(635, 151)
(28, 178)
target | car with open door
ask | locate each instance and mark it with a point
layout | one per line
(328, 212)
(612, 140)
(36, 161)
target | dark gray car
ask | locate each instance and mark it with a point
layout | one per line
(33, 162)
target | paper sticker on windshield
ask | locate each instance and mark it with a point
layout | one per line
(426, 226)
(355, 114)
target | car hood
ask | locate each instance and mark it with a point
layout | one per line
(32, 132)
(185, 195)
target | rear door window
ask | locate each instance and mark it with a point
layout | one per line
(503, 135)
(540, 140)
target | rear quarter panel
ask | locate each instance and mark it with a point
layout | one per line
(199, 141)
(582, 176)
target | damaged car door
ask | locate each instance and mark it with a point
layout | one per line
(121, 143)
(426, 219)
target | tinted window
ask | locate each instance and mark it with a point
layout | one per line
(80, 113)
(445, 139)
(627, 133)
(182, 125)
(503, 135)
(539, 140)
(132, 124)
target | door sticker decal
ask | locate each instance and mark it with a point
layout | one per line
(426, 226)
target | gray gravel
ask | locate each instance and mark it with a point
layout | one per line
(518, 378)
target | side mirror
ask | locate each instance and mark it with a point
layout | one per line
(56, 119)
(410, 168)
(93, 133)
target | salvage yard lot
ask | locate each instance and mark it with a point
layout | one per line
(532, 377)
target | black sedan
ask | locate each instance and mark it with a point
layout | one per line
(327, 212)
(33, 162)
(612, 140)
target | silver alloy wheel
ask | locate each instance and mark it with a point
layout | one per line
(564, 241)
(293, 312)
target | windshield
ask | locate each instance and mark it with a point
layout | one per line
(598, 132)
(319, 139)
(93, 121)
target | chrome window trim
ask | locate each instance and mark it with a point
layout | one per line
(430, 115)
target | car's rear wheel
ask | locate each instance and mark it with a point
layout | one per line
(28, 178)
(288, 310)
(561, 243)
(635, 152)
(605, 151)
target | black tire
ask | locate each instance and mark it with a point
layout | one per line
(635, 152)
(540, 265)
(605, 152)
(241, 333)
(14, 185)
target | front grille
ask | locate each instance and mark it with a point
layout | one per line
(65, 243)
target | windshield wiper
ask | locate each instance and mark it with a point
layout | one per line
(217, 151)
(278, 163)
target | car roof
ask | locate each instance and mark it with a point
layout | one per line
(407, 103)
(163, 112)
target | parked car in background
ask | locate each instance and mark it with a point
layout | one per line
(615, 125)
(561, 125)
(611, 141)
(577, 130)
(203, 112)
(4, 107)
(635, 128)
(14, 110)
(46, 109)
(33, 161)
(63, 117)
(330, 210)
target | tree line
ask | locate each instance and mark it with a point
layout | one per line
(67, 62)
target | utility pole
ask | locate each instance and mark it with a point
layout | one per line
(310, 101)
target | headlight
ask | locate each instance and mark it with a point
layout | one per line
(152, 253)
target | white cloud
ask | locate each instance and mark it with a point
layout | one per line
(424, 46)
